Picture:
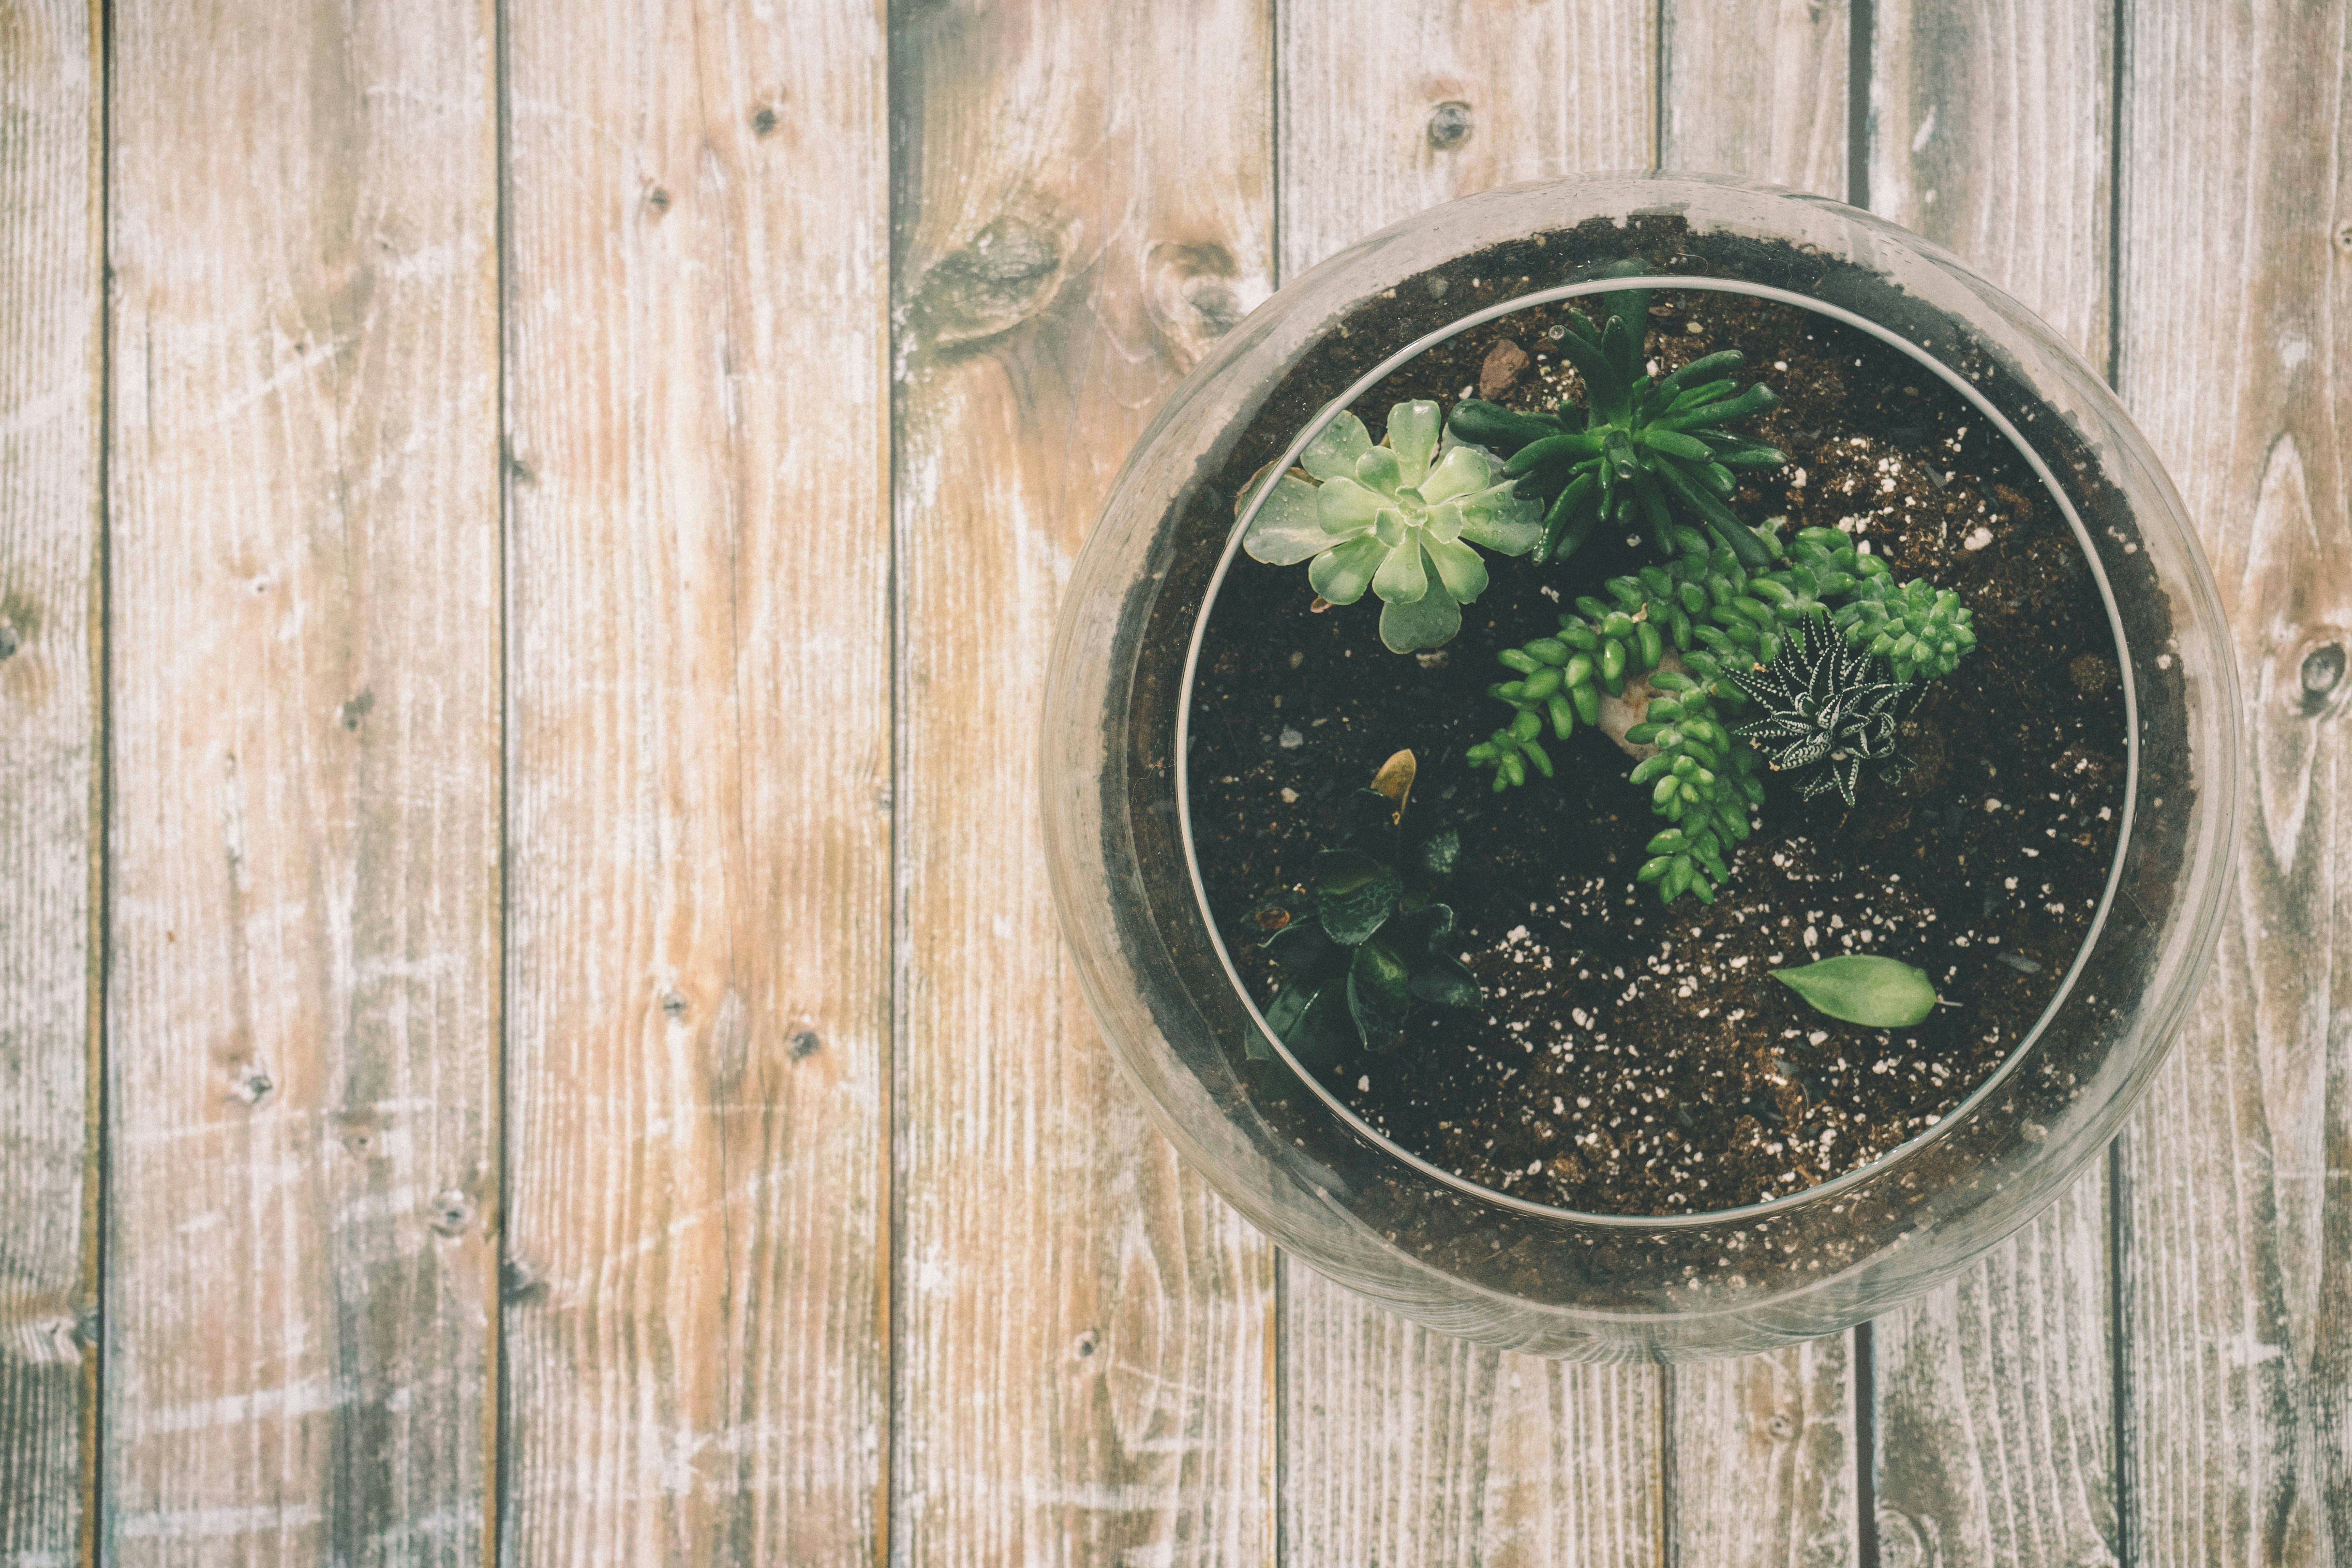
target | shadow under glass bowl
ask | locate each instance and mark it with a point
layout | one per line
(1463, 1259)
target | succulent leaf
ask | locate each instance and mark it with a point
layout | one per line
(1638, 448)
(1864, 988)
(1405, 519)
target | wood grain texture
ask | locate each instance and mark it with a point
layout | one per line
(1761, 1451)
(1403, 1445)
(1388, 110)
(2235, 352)
(1995, 1396)
(1992, 133)
(1398, 1444)
(1760, 1459)
(49, 304)
(1995, 1412)
(303, 1018)
(1756, 87)
(1082, 204)
(698, 584)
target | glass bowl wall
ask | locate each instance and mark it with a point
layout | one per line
(1463, 1259)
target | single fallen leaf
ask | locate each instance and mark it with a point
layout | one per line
(1395, 779)
(1864, 988)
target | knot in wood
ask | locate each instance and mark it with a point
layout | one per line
(2322, 669)
(1005, 276)
(451, 1212)
(1449, 125)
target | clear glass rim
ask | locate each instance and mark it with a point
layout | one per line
(2009, 1063)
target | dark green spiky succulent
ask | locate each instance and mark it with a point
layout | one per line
(1640, 448)
(1365, 939)
(1830, 711)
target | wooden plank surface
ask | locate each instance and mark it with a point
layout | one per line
(2235, 349)
(1756, 87)
(1094, 1360)
(1761, 1466)
(1762, 1462)
(302, 1064)
(1082, 205)
(49, 762)
(1400, 1445)
(1470, 96)
(1994, 1410)
(698, 583)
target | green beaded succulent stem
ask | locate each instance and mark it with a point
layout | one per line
(1718, 618)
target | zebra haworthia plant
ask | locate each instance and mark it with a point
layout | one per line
(1827, 715)
(1400, 518)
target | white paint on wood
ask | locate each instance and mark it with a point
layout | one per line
(1995, 1395)
(1400, 1445)
(1084, 1366)
(1991, 134)
(1757, 88)
(49, 306)
(1761, 1466)
(1389, 109)
(2235, 343)
(304, 557)
(1405, 1445)
(698, 657)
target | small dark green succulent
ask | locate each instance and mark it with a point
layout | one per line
(1639, 447)
(1365, 939)
(1830, 711)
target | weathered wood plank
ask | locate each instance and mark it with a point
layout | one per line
(2235, 350)
(1756, 87)
(1995, 1396)
(302, 1062)
(700, 834)
(1084, 1331)
(1399, 1444)
(1760, 1459)
(1405, 1445)
(1759, 88)
(1992, 133)
(1995, 1405)
(49, 305)
(1465, 97)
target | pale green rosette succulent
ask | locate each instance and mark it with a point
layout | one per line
(1398, 519)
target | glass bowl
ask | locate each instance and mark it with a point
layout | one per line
(1467, 1259)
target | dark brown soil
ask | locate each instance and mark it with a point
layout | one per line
(1633, 1058)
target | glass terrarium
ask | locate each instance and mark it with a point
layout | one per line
(1364, 611)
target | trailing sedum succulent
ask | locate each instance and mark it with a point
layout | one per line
(1398, 519)
(1829, 711)
(1644, 449)
(1721, 621)
(1368, 939)
(1918, 629)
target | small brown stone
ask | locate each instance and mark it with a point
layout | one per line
(1505, 362)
